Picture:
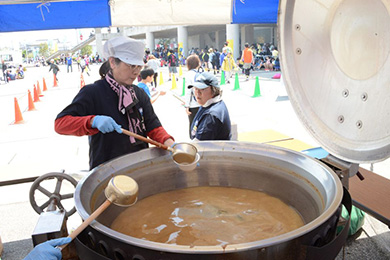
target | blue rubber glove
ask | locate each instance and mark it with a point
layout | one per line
(48, 250)
(105, 124)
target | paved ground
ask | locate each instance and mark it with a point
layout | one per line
(33, 148)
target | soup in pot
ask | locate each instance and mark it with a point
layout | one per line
(208, 216)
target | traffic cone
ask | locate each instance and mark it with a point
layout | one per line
(36, 96)
(180, 71)
(44, 85)
(184, 87)
(55, 81)
(222, 78)
(161, 79)
(82, 82)
(39, 90)
(236, 83)
(174, 86)
(31, 106)
(257, 88)
(18, 113)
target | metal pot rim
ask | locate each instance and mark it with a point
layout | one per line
(226, 146)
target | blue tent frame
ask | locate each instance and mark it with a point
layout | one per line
(97, 14)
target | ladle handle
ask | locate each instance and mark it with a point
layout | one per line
(146, 140)
(88, 221)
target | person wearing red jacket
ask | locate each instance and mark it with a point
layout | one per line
(103, 108)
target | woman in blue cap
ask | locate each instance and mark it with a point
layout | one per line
(212, 121)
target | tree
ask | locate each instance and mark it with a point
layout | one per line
(86, 50)
(44, 50)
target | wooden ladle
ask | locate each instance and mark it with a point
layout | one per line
(182, 153)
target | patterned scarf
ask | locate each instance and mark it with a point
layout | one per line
(127, 101)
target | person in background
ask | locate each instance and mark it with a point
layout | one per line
(47, 250)
(247, 58)
(275, 53)
(20, 72)
(268, 64)
(100, 110)
(214, 60)
(69, 63)
(228, 65)
(172, 64)
(227, 48)
(212, 122)
(83, 66)
(87, 61)
(54, 68)
(205, 59)
(147, 74)
(4, 68)
(222, 57)
(78, 62)
(191, 105)
(154, 64)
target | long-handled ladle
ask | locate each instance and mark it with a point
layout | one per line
(182, 153)
(121, 190)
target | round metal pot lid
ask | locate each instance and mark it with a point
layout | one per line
(336, 69)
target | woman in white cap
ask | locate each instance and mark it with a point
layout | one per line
(212, 121)
(101, 109)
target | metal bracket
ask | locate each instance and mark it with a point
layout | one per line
(343, 169)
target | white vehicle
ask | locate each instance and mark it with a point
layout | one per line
(12, 58)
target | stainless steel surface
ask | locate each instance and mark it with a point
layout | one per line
(190, 166)
(50, 225)
(304, 183)
(335, 67)
(122, 191)
(184, 153)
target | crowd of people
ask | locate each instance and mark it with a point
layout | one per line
(11, 73)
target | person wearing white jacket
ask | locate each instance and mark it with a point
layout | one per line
(155, 65)
(191, 105)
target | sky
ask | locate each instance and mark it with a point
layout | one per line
(11, 40)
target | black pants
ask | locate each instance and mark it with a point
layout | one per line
(55, 74)
(5, 76)
(155, 79)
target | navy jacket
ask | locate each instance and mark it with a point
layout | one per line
(212, 123)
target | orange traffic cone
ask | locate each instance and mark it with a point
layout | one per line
(39, 90)
(31, 106)
(36, 96)
(44, 85)
(18, 114)
(82, 82)
(55, 81)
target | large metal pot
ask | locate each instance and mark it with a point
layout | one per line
(302, 182)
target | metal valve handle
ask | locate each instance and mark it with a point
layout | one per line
(55, 197)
